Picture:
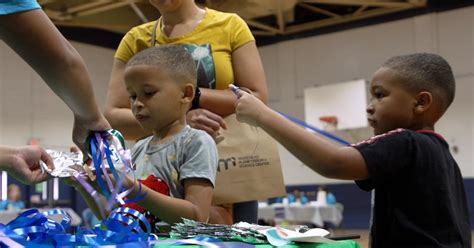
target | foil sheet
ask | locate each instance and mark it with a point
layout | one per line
(68, 163)
(65, 163)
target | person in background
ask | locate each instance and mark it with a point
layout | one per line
(303, 198)
(13, 201)
(224, 51)
(293, 196)
(330, 198)
(420, 200)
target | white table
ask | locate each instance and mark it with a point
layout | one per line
(7, 216)
(309, 213)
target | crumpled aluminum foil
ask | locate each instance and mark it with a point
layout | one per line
(65, 163)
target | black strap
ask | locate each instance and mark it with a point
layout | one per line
(197, 97)
(153, 33)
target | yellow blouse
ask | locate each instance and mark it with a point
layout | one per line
(211, 44)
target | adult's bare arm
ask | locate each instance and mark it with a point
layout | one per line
(35, 38)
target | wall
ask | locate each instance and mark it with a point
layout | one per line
(294, 65)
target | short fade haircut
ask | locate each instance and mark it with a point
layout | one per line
(174, 59)
(425, 72)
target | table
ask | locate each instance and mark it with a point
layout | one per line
(309, 213)
(7, 216)
(339, 244)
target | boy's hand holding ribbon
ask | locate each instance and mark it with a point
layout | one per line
(104, 174)
(250, 110)
(247, 107)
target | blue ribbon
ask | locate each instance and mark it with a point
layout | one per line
(97, 159)
(315, 129)
(123, 227)
(33, 229)
(100, 149)
(108, 154)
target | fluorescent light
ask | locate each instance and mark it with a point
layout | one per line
(55, 189)
(44, 194)
(4, 185)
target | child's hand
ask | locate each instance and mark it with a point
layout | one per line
(248, 107)
(70, 181)
(73, 182)
(127, 181)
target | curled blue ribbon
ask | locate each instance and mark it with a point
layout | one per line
(34, 229)
(102, 150)
(123, 226)
(97, 160)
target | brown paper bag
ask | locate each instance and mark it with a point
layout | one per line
(249, 165)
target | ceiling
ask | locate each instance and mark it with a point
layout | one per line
(265, 17)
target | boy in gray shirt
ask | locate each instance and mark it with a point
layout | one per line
(161, 83)
(189, 154)
(177, 165)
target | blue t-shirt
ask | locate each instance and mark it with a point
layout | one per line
(291, 198)
(330, 199)
(11, 205)
(303, 199)
(16, 6)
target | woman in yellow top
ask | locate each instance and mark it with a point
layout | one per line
(225, 52)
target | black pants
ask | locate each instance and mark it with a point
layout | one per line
(246, 211)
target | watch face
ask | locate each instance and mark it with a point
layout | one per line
(197, 95)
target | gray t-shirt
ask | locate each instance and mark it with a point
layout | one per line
(191, 153)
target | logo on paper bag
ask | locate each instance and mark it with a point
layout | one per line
(226, 162)
(244, 162)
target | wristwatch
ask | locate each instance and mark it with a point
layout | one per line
(197, 95)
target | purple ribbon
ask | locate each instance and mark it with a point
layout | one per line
(101, 150)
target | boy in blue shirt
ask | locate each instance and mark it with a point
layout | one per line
(14, 201)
